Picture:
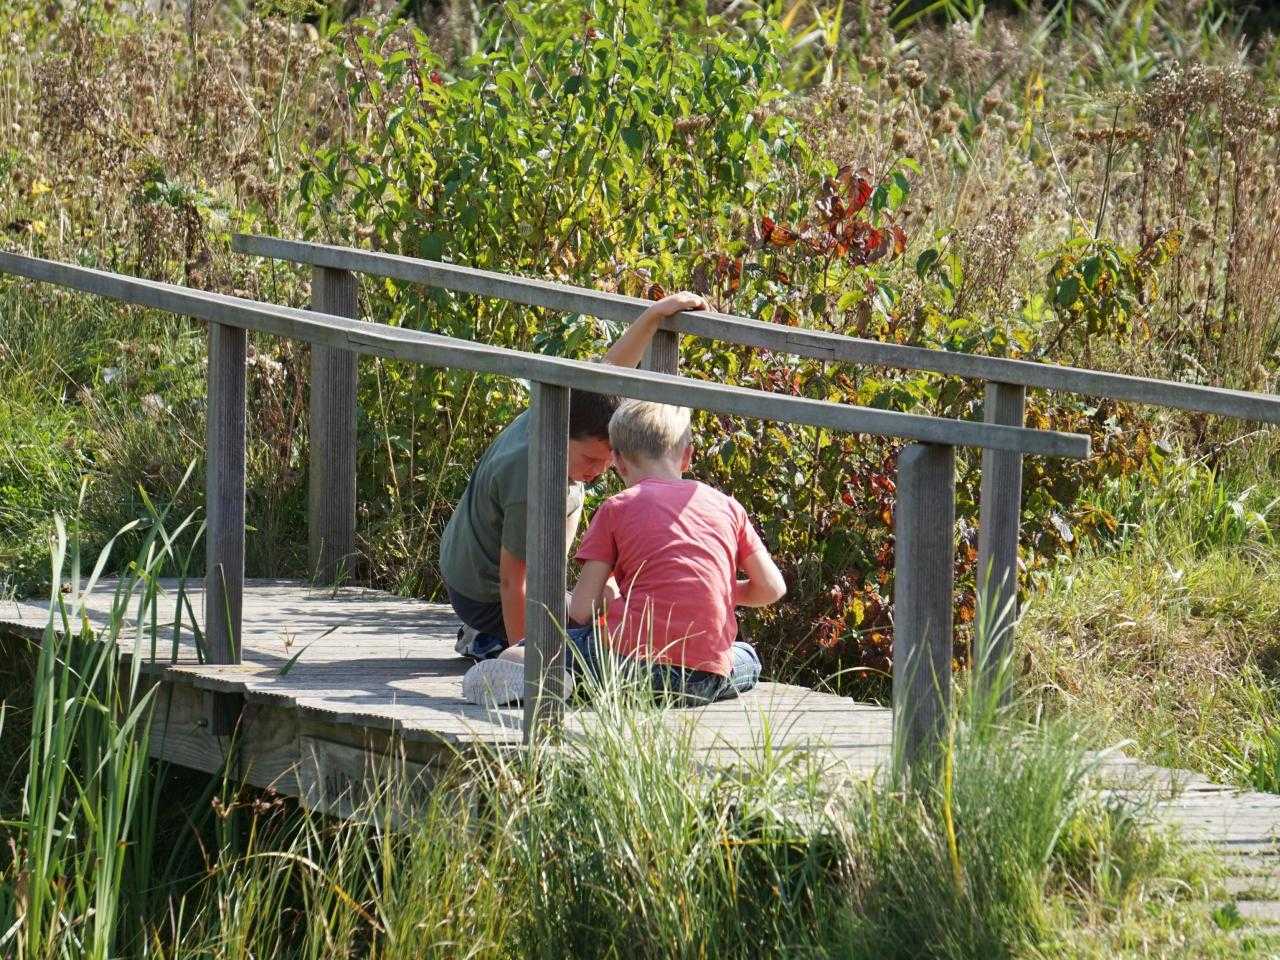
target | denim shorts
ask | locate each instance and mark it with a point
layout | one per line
(672, 685)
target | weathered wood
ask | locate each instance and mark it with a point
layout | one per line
(380, 671)
(332, 463)
(772, 336)
(224, 507)
(546, 547)
(924, 528)
(663, 355)
(440, 351)
(1000, 514)
(343, 780)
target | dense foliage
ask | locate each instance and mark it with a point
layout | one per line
(1095, 188)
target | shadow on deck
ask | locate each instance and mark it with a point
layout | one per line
(373, 670)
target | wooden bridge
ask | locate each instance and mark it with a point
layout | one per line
(379, 670)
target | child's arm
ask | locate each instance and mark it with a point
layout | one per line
(764, 583)
(589, 591)
(628, 350)
(511, 590)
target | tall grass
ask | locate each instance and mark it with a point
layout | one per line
(624, 841)
(1166, 636)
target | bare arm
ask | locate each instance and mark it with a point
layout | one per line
(763, 584)
(628, 350)
(511, 588)
(589, 592)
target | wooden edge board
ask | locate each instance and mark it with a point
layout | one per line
(439, 351)
(771, 336)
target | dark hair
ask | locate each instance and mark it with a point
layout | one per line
(589, 415)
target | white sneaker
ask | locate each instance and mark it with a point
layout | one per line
(499, 683)
(494, 683)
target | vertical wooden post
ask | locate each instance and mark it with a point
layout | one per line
(224, 509)
(546, 552)
(1000, 515)
(332, 473)
(663, 355)
(924, 527)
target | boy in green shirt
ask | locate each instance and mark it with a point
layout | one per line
(482, 551)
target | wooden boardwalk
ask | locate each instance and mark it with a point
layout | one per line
(333, 678)
(371, 667)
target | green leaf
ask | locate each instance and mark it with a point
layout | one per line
(1068, 292)
(925, 262)
(898, 190)
(633, 138)
(1090, 270)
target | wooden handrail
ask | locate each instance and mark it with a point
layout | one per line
(1007, 381)
(926, 490)
(771, 336)
(436, 350)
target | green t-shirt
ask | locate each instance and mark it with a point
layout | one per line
(492, 515)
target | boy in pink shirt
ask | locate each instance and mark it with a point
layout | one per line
(661, 561)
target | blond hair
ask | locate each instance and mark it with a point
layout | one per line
(650, 431)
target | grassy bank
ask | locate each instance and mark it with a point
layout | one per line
(1167, 635)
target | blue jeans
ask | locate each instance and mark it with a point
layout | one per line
(673, 686)
(485, 618)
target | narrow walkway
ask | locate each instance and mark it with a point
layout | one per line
(332, 679)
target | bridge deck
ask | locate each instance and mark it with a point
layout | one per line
(371, 664)
(331, 679)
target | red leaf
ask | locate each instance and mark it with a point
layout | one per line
(779, 234)
(857, 186)
(869, 244)
(899, 240)
(829, 204)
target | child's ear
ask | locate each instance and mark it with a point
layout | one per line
(621, 466)
(686, 458)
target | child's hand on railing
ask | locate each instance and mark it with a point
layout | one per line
(675, 303)
(630, 347)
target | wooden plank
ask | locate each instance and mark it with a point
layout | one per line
(180, 729)
(663, 355)
(924, 527)
(546, 554)
(1000, 517)
(343, 780)
(224, 507)
(332, 459)
(265, 749)
(438, 351)
(771, 336)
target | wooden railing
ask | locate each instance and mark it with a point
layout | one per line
(1000, 499)
(924, 519)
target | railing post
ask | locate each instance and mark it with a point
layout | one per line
(224, 509)
(546, 550)
(1000, 513)
(924, 527)
(663, 355)
(332, 473)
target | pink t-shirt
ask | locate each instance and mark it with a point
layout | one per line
(675, 548)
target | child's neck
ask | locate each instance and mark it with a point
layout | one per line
(653, 470)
